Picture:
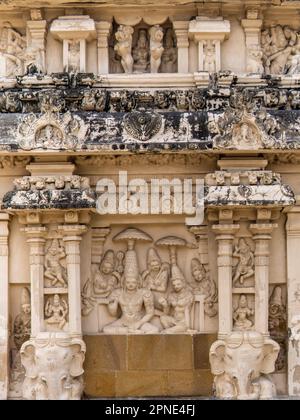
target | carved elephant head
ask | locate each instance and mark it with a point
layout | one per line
(53, 369)
(238, 363)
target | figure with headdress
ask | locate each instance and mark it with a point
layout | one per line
(135, 302)
(156, 277)
(277, 325)
(204, 285)
(22, 324)
(177, 307)
(54, 269)
(241, 315)
(106, 278)
(56, 310)
(245, 265)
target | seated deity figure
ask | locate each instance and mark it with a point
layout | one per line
(245, 266)
(241, 314)
(156, 277)
(177, 306)
(54, 270)
(136, 303)
(169, 55)
(56, 309)
(141, 53)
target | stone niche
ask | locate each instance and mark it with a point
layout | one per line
(143, 48)
(74, 32)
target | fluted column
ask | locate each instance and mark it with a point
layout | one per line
(293, 287)
(72, 237)
(225, 236)
(36, 241)
(181, 31)
(4, 306)
(103, 31)
(262, 236)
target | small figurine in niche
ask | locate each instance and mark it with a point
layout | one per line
(22, 324)
(169, 55)
(177, 307)
(74, 57)
(209, 56)
(141, 53)
(156, 277)
(54, 269)
(245, 266)
(136, 303)
(56, 309)
(156, 47)
(241, 315)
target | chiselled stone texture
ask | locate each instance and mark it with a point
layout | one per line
(64, 192)
(80, 118)
(169, 365)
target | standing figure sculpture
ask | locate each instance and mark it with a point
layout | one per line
(245, 266)
(169, 55)
(136, 304)
(156, 34)
(156, 277)
(22, 324)
(177, 307)
(123, 47)
(209, 56)
(141, 53)
(54, 269)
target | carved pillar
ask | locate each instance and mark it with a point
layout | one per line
(262, 235)
(181, 31)
(72, 237)
(4, 306)
(225, 236)
(103, 31)
(36, 241)
(293, 286)
(36, 39)
(252, 28)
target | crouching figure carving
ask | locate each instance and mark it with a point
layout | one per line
(241, 364)
(53, 368)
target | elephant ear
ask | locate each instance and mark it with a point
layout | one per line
(27, 353)
(271, 350)
(216, 357)
(78, 348)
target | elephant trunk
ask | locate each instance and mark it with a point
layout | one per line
(245, 387)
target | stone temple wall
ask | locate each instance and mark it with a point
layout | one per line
(149, 185)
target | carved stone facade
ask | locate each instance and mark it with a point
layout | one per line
(149, 168)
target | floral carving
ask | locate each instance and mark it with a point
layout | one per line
(143, 125)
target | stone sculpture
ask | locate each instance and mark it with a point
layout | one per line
(202, 283)
(281, 50)
(56, 311)
(169, 55)
(241, 364)
(156, 47)
(177, 306)
(54, 368)
(254, 59)
(123, 47)
(241, 315)
(277, 325)
(156, 277)
(141, 53)
(245, 265)
(209, 52)
(54, 267)
(136, 303)
(22, 323)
